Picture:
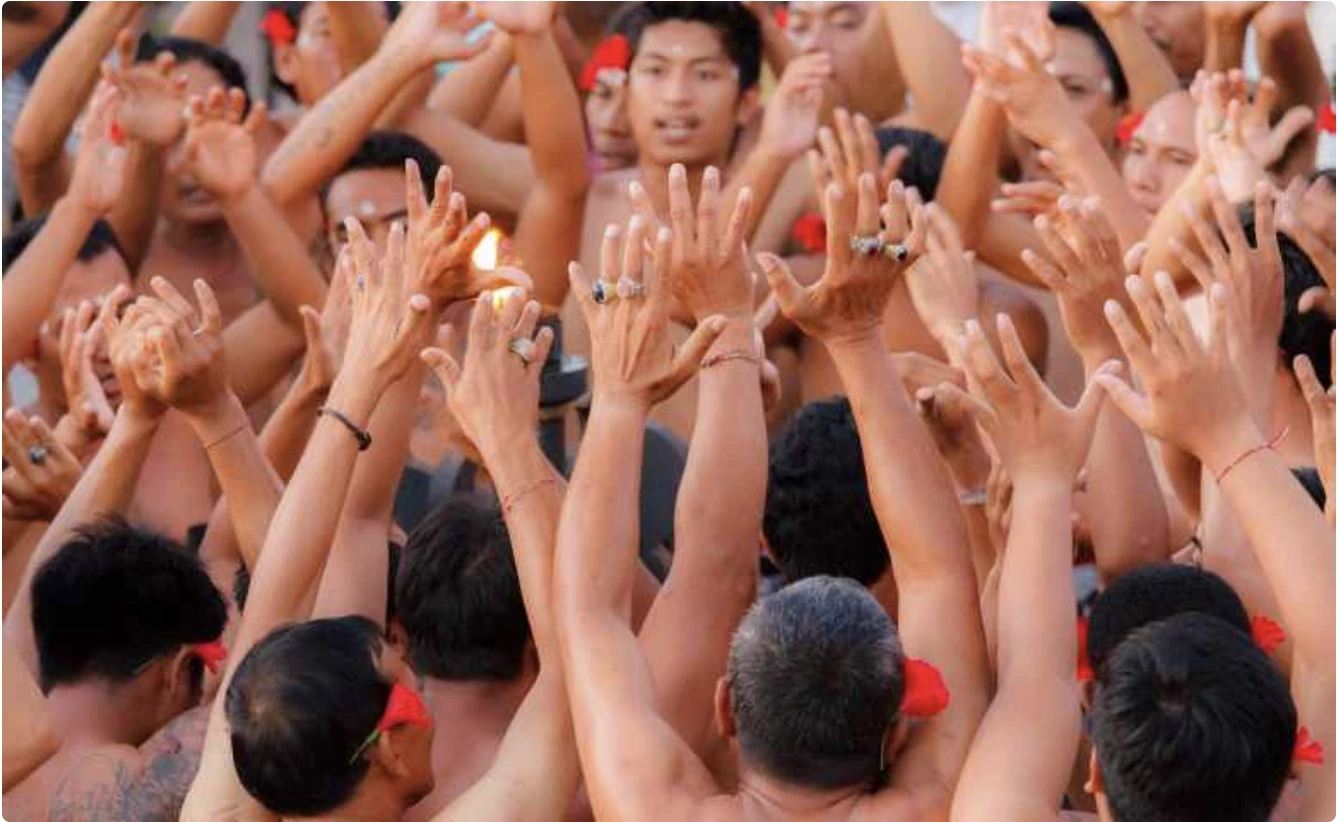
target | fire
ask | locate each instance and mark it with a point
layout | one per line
(485, 257)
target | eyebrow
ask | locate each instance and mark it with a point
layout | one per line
(707, 58)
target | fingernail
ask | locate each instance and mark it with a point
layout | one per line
(611, 231)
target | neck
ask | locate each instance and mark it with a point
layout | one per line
(781, 799)
(373, 802)
(474, 703)
(88, 714)
(196, 236)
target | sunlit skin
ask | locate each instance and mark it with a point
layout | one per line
(1178, 29)
(1083, 74)
(836, 29)
(310, 65)
(183, 201)
(374, 196)
(1161, 152)
(606, 109)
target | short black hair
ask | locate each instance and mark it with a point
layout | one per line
(741, 34)
(817, 517)
(816, 676)
(1307, 334)
(298, 707)
(187, 50)
(457, 594)
(390, 149)
(100, 238)
(1152, 593)
(1070, 15)
(1192, 721)
(925, 157)
(114, 597)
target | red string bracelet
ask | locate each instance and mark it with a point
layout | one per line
(1265, 446)
(727, 356)
(510, 500)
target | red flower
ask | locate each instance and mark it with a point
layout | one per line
(1267, 634)
(781, 17)
(613, 52)
(404, 707)
(1326, 118)
(276, 25)
(211, 653)
(1083, 670)
(116, 134)
(924, 692)
(811, 233)
(1126, 128)
(1307, 749)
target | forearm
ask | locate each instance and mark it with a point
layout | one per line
(259, 348)
(331, 132)
(1171, 224)
(1149, 75)
(207, 22)
(105, 488)
(1079, 152)
(468, 92)
(285, 434)
(1288, 54)
(34, 279)
(928, 53)
(777, 47)
(553, 115)
(494, 176)
(1225, 41)
(135, 215)
(356, 29)
(1035, 618)
(279, 261)
(968, 178)
(910, 487)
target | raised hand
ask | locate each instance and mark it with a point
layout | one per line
(1321, 407)
(1035, 436)
(154, 93)
(325, 334)
(791, 119)
(1192, 398)
(87, 408)
(127, 352)
(1265, 141)
(518, 18)
(952, 425)
(186, 369)
(495, 396)
(1306, 212)
(708, 267)
(847, 304)
(41, 471)
(389, 320)
(1085, 271)
(220, 146)
(627, 310)
(100, 167)
(1036, 198)
(435, 32)
(1033, 99)
(1255, 285)
(847, 151)
(943, 284)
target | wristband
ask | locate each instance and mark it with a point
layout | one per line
(510, 500)
(363, 437)
(239, 429)
(1265, 446)
(727, 356)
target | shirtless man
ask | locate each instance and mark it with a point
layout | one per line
(808, 745)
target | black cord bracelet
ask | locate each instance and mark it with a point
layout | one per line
(363, 437)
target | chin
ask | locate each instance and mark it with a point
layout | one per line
(690, 156)
(198, 214)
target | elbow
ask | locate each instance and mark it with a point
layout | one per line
(30, 152)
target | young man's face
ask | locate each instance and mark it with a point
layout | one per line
(92, 280)
(376, 196)
(607, 120)
(836, 29)
(1083, 75)
(1178, 29)
(1161, 152)
(311, 64)
(684, 96)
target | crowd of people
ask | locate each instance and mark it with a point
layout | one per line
(668, 411)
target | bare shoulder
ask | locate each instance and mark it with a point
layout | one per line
(119, 782)
(900, 804)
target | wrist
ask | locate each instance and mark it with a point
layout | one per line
(618, 403)
(354, 395)
(70, 433)
(242, 199)
(76, 209)
(970, 471)
(1223, 443)
(856, 343)
(215, 417)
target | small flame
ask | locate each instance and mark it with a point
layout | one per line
(485, 256)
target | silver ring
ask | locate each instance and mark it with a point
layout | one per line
(867, 245)
(37, 454)
(196, 332)
(602, 292)
(896, 252)
(359, 282)
(523, 348)
(628, 288)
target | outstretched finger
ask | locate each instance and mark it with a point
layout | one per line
(1127, 400)
(211, 317)
(788, 293)
(1021, 370)
(686, 243)
(1313, 392)
(948, 400)
(1192, 263)
(173, 298)
(1177, 319)
(1263, 205)
(415, 204)
(1130, 340)
(738, 226)
(709, 208)
(442, 364)
(1091, 401)
(544, 340)
(1161, 338)
(442, 191)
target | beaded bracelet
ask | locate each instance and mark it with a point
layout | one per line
(363, 437)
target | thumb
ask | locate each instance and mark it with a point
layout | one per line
(788, 292)
(311, 326)
(1091, 401)
(689, 356)
(1135, 407)
(1135, 258)
(1294, 121)
(446, 368)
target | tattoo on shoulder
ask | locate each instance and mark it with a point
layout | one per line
(148, 787)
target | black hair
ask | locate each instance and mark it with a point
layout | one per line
(1152, 593)
(100, 238)
(1075, 16)
(113, 598)
(390, 149)
(925, 157)
(740, 32)
(300, 704)
(1310, 479)
(1307, 334)
(242, 581)
(292, 11)
(1327, 174)
(817, 517)
(187, 50)
(1191, 721)
(458, 596)
(816, 676)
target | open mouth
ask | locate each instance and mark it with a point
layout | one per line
(677, 129)
(190, 193)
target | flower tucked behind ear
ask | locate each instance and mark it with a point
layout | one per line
(614, 52)
(276, 26)
(924, 692)
(1307, 749)
(1267, 634)
(211, 653)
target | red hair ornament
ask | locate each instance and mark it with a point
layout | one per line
(613, 52)
(276, 26)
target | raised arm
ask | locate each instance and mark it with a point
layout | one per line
(206, 22)
(56, 99)
(109, 481)
(910, 487)
(1042, 445)
(714, 575)
(927, 52)
(1148, 73)
(34, 279)
(469, 91)
(634, 763)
